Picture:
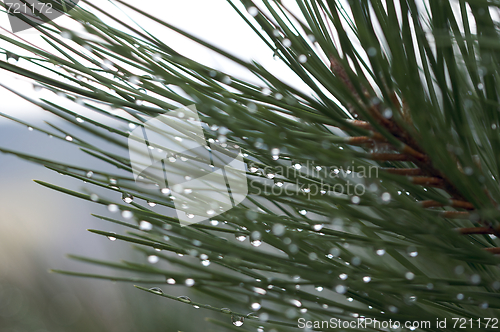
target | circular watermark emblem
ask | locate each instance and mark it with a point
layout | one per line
(26, 14)
(202, 178)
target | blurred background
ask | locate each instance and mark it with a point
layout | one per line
(39, 226)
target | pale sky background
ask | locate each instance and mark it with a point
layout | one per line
(213, 20)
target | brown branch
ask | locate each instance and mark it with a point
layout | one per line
(455, 215)
(427, 181)
(494, 251)
(361, 124)
(453, 203)
(476, 230)
(415, 154)
(403, 171)
(389, 157)
(359, 140)
(411, 151)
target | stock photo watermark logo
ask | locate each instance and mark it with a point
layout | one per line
(203, 179)
(288, 180)
(26, 14)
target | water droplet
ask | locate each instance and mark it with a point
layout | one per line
(255, 235)
(184, 299)
(189, 282)
(356, 261)
(151, 203)
(66, 35)
(380, 252)
(409, 275)
(253, 169)
(386, 197)
(94, 197)
(252, 108)
(278, 229)
(313, 256)
(205, 262)
(256, 243)
(484, 305)
(302, 58)
(297, 166)
(113, 208)
(30, 128)
(459, 269)
(256, 306)
(111, 238)
(157, 57)
(127, 198)
(157, 290)
(287, 42)
(171, 281)
(387, 113)
(127, 214)
(367, 279)
(253, 11)
(69, 138)
(134, 80)
(335, 252)
(355, 199)
(343, 276)
(145, 225)
(303, 212)
(165, 191)
(341, 289)
(350, 299)
(460, 296)
(318, 227)
(237, 320)
(319, 288)
(475, 279)
(153, 259)
(413, 253)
